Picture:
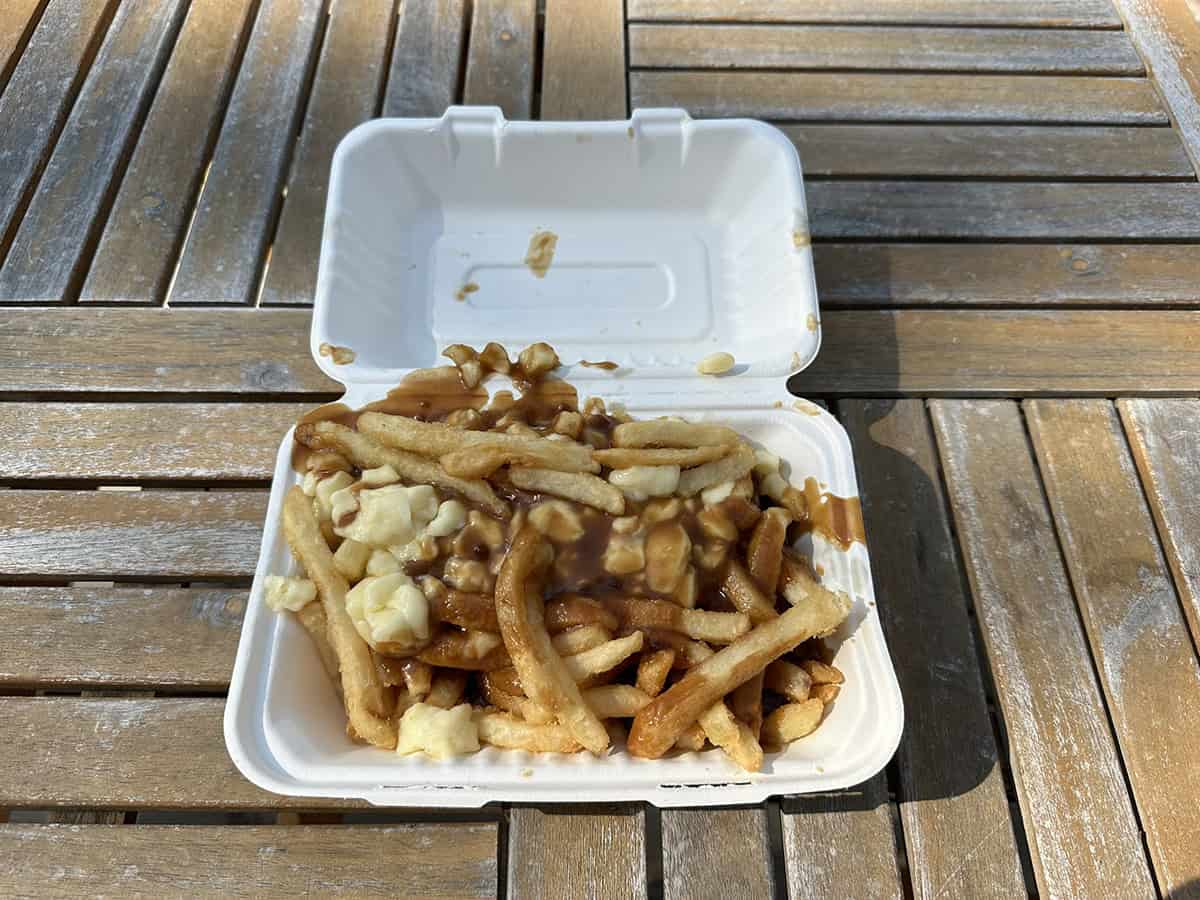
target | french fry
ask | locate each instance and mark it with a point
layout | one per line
(578, 486)
(503, 730)
(740, 589)
(312, 617)
(791, 721)
(668, 550)
(570, 610)
(672, 433)
(698, 624)
(367, 453)
(798, 585)
(517, 704)
(657, 726)
(684, 457)
(479, 651)
(578, 639)
(584, 666)
(822, 673)
(732, 736)
(366, 703)
(730, 468)
(746, 703)
(653, 670)
(764, 552)
(788, 679)
(688, 653)
(418, 677)
(692, 738)
(462, 608)
(826, 693)
(544, 674)
(615, 701)
(505, 679)
(447, 688)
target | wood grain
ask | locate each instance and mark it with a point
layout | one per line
(1164, 436)
(139, 245)
(18, 18)
(990, 151)
(859, 96)
(1083, 836)
(44, 260)
(426, 59)
(500, 58)
(1008, 274)
(185, 535)
(907, 210)
(957, 831)
(222, 256)
(583, 60)
(560, 854)
(45, 80)
(1025, 13)
(841, 845)
(345, 90)
(225, 351)
(120, 637)
(451, 860)
(114, 442)
(874, 47)
(717, 853)
(1139, 639)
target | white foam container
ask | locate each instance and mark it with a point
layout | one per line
(677, 238)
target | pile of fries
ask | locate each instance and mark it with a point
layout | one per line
(525, 572)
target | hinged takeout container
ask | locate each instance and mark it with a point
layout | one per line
(676, 239)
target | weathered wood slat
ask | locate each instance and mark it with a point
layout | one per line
(562, 855)
(873, 47)
(1008, 274)
(139, 245)
(426, 861)
(1164, 436)
(717, 853)
(952, 804)
(43, 262)
(39, 94)
(500, 57)
(905, 210)
(186, 535)
(990, 151)
(1144, 654)
(345, 89)
(1025, 13)
(120, 637)
(1083, 836)
(859, 96)
(426, 59)
(222, 256)
(583, 61)
(142, 441)
(17, 21)
(841, 845)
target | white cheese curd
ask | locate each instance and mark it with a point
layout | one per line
(284, 592)
(390, 612)
(384, 517)
(451, 517)
(715, 494)
(440, 733)
(382, 562)
(642, 482)
(385, 474)
(325, 489)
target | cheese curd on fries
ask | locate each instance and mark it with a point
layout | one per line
(521, 570)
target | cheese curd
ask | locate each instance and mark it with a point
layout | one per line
(390, 613)
(289, 593)
(323, 490)
(642, 482)
(391, 515)
(440, 733)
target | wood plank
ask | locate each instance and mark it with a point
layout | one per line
(990, 151)
(345, 92)
(1139, 639)
(861, 96)
(500, 58)
(1167, 33)
(905, 210)
(1008, 274)
(841, 845)
(184, 535)
(127, 754)
(1024, 13)
(45, 79)
(957, 831)
(557, 853)
(53, 240)
(1165, 438)
(443, 860)
(426, 59)
(229, 351)
(583, 60)
(18, 18)
(113, 442)
(875, 47)
(1083, 836)
(140, 242)
(110, 637)
(717, 853)
(222, 256)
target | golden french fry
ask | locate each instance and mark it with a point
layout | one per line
(692, 738)
(544, 675)
(653, 671)
(740, 589)
(657, 726)
(502, 730)
(798, 585)
(764, 552)
(746, 702)
(570, 610)
(583, 666)
(698, 624)
(668, 550)
(730, 468)
(479, 651)
(505, 679)
(684, 457)
(312, 617)
(367, 708)
(792, 721)
(826, 693)
(447, 688)
(523, 707)
(788, 679)
(578, 639)
(418, 677)
(578, 486)
(615, 701)
(687, 652)
(462, 608)
(732, 736)
(672, 433)
(821, 673)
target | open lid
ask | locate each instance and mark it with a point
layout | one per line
(649, 243)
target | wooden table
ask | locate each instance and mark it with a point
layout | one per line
(1006, 218)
